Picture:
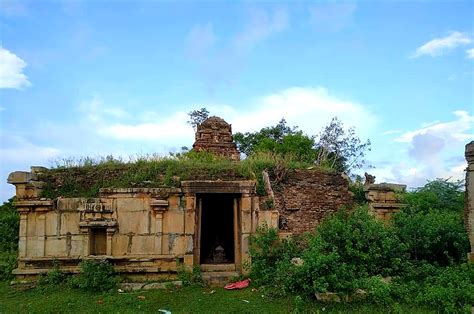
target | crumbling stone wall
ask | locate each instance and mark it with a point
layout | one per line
(305, 197)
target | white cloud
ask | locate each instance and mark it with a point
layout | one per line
(170, 129)
(390, 132)
(456, 130)
(470, 53)
(11, 70)
(440, 46)
(309, 108)
(16, 149)
(435, 150)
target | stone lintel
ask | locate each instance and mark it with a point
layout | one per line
(98, 223)
(164, 190)
(208, 186)
(389, 187)
(33, 203)
(21, 177)
(159, 205)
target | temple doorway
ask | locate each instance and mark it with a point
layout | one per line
(217, 228)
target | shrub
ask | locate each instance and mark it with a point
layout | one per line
(435, 236)
(448, 289)
(363, 242)
(53, 277)
(8, 263)
(9, 225)
(268, 253)
(438, 194)
(95, 276)
(190, 278)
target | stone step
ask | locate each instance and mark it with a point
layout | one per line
(217, 267)
(219, 278)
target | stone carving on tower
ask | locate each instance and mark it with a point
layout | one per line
(214, 135)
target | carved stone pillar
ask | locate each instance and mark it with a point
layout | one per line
(469, 204)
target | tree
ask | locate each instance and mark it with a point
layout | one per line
(431, 224)
(340, 149)
(196, 117)
(265, 139)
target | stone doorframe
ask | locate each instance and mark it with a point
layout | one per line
(245, 213)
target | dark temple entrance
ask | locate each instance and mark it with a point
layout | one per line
(217, 228)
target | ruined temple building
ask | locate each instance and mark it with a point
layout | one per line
(146, 231)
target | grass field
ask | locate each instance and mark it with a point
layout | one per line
(180, 300)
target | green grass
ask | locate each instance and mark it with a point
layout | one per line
(180, 300)
(84, 177)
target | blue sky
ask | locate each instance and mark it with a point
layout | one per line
(94, 78)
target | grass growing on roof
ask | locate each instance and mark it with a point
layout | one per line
(84, 177)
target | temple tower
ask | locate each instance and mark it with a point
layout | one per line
(214, 135)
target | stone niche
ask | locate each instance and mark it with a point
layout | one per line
(214, 135)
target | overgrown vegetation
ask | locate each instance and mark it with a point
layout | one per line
(95, 276)
(9, 225)
(84, 177)
(419, 259)
(190, 277)
(334, 148)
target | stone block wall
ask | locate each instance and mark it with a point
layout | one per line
(383, 201)
(305, 197)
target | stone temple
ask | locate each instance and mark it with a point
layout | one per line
(145, 232)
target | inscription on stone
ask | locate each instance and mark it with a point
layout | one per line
(96, 205)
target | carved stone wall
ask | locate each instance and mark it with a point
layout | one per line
(215, 135)
(142, 231)
(469, 205)
(305, 197)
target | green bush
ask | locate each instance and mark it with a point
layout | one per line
(347, 247)
(9, 226)
(95, 276)
(438, 194)
(435, 236)
(432, 223)
(269, 254)
(447, 289)
(8, 262)
(53, 277)
(362, 241)
(190, 278)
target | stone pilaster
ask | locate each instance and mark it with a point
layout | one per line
(189, 229)
(469, 205)
(159, 206)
